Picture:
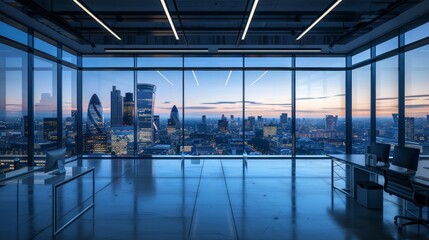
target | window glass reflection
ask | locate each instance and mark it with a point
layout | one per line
(361, 109)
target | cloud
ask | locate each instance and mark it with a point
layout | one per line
(166, 102)
(387, 98)
(417, 106)
(247, 102)
(417, 96)
(200, 108)
(13, 104)
(325, 97)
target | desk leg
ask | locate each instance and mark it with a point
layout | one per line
(332, 174)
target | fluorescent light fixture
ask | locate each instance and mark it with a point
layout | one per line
(227, 80)
(255, 4)
(169, 19)
(263, 74)
(166, 79)
(119, 50)
(195, 77)
(314, 50)
(320, 18)
(95, 18)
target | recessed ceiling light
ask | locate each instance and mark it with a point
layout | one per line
(169, 19)
(84, 8)
(320, 18)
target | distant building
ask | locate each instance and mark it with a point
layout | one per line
(202, 127)
(174, 120)
(283, 119)
(116, 106)
(427, 119)
(128, 109)
(331, 122)
(269, 130)
(222, 124)
(249, 124)
(145, 106)
(395, 119)
(409, 128)
(95, 136)
(50, 129)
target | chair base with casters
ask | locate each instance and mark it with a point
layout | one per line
(411, 221)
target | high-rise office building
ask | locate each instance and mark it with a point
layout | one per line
(222, 124)
(427, 119)
(128, 109)
(174, 121)
(395, 119)
(116, 105)
(409, 128)
(283, 119)
(50, 129)
(202, 127)
(95, 136)
(331, 122)
(145, 106)
(204, 119)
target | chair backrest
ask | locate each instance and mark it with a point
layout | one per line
(381, 150)
(406, 157)
(398, 184)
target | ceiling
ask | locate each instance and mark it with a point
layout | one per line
(216, 23)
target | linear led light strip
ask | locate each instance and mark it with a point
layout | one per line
(255, 4)
(269, 50)
(169, 19)
(320, 18)
(156, 50)
(96, 19)
(195, 77)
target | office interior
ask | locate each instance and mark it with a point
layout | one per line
(212, 119)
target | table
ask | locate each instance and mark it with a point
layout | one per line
(356, 170)
(72, 173)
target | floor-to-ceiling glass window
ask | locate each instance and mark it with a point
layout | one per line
(45, 108)
(213, 112)
(13, 109)
(69, 112)
(104, 95)
(268, 106)
(159, 105)
(417, 98)
(387, 101)
(361, 108)
(320, 112)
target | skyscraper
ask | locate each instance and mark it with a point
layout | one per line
(222, 124)
(395, 119)
(331, 122)
(409, 128)
(145, 105)
(50, 129)
(116, 105)
(283, 119)
(174, 118)
(128, 109)
(95, 136)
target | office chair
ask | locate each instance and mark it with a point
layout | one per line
(400, 184)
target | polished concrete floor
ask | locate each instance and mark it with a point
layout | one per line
(206, 199)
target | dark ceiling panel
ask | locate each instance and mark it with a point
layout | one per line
(214, 22)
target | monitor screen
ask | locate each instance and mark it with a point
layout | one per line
(382, 151)
(53, 157)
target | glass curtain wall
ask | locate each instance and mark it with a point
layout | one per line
(69, 105)
(104, 128)
(13, 109)
(417, 99)
(320, 112)
(361, 109)
(213, 112)
(268, 104)
(387, 101)
(45, 108)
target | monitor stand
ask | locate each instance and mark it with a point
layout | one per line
(61, 168)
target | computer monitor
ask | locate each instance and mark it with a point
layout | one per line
(406, 157)
(55, 160)
(381, 150)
